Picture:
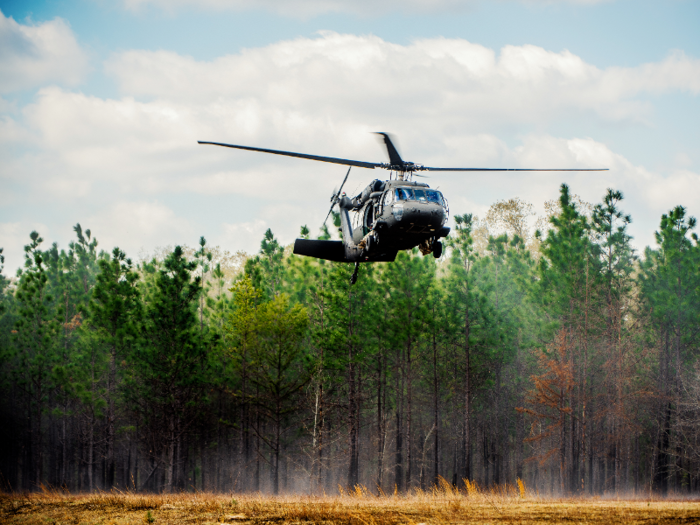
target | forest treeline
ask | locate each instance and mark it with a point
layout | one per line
(560, 357)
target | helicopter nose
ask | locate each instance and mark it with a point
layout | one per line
(423, 218)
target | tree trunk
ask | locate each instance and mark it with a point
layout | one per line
(398, 464)
(436, 415)
(466, 461)
(91, 453)
(409, 421)
(519, 420)
(64, 446)
(352, 423)
(380, 423)
(256, 478)
(321, 442)
(276, 451)
(352, 402)
(109, 455)
(170, 456)
(246, 420)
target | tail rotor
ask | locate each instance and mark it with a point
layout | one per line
(336, 195)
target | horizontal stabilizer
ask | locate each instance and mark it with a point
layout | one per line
(328, 250)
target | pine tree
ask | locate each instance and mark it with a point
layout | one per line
(80, 371)
(34, 355)
(280, 369)
(266, 268)
(617, 258)
(669, 282)
(170, 365)
(6, 313)
(409, 278)
(242, 332)
(115, 311)
(505, 278)
(468, 324)
(569, 271)
(344, 346)
(550, 399)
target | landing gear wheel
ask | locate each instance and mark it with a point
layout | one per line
(367, 244)
(353, 279)
(437, 249)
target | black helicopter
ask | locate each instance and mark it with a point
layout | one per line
(388, 216)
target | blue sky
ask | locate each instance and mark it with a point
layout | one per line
(613, 33)
(101, 104)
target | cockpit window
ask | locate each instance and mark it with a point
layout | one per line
(426, 195)
(403, 194)
(434, 196)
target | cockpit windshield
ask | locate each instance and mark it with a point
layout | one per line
(421, 195)
(403, 194)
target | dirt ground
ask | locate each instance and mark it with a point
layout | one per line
(55, 507)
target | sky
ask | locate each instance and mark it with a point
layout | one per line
(102, 103)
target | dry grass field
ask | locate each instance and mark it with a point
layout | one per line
(444, 505)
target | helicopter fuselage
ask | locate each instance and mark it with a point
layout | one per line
(388, 216)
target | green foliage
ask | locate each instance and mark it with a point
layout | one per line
(242, 329)
(7, 319)
(280, 364)
(422, 360)
(265, 269)
(669, 283)
(115, 306)
(569, 261)
(169, 364)
(36, 328)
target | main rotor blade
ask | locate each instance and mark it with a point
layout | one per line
(425, 168)
(333, 160)
(394, 156)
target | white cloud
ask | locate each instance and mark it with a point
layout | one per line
(32, 55)
(244, 236)
(679, 187)
(102, 136)
(137, 225)
(11, 131)
(130, 168)
(333, 75)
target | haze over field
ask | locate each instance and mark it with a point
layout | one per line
(102, 106)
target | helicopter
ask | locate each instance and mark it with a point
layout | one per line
(388, 215)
